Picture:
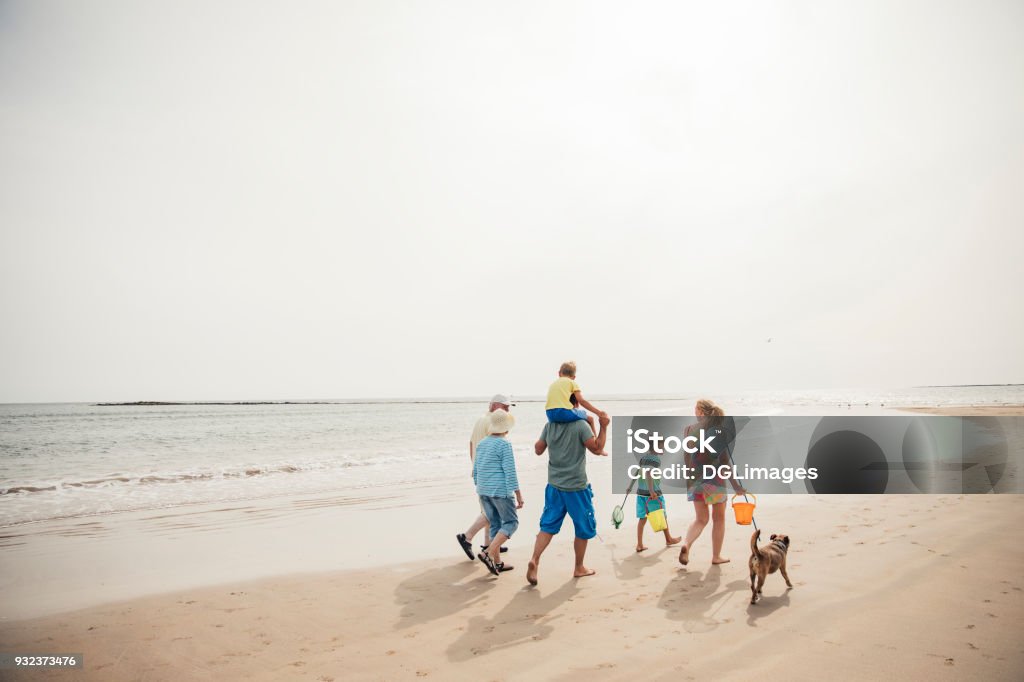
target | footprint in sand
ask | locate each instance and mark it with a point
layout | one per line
(949, 661)
(972, 646)
(970, 627)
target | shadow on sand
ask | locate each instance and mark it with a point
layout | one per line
(635, 563)
(441, 592)
(694, 600)
(765, 606)
(525, 618)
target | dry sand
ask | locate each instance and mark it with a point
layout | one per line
(912, 586)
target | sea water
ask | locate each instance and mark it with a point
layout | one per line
(60, 461)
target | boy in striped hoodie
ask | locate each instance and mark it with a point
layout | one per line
(494, 472)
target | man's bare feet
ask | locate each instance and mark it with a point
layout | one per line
(684, 555)
(641, 548)
(720, 560)
(531, 573)
(583, 572)
(672, 541)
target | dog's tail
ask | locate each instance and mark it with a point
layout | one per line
(753, 543)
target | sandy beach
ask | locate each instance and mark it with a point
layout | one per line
(372, 585)
(918, 586)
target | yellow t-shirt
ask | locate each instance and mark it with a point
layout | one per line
(559, 392)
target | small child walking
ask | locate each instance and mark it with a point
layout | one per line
(650, 498)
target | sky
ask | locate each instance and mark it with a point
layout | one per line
(273, 200)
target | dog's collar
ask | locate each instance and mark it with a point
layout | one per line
(781, 545)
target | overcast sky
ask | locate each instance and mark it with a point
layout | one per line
(243, 200)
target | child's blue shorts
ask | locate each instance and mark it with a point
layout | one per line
(562, 415)
(578, 504)
(651, 505)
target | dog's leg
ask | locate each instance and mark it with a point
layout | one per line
(756, 590)
(761, 575)
(782, 570)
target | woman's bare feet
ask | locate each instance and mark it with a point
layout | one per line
(684, 555)
(641, 548)
(583, 572)
(719, 560)
(672, 541)
(531, 573)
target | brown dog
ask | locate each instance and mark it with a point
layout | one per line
(767, 560)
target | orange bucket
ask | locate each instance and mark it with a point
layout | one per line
(744, 510)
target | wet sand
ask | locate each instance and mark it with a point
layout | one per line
(969, 410)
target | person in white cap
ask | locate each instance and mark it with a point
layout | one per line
(480, 431)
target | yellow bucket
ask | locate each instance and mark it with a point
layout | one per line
(744, 510)
(656, 519)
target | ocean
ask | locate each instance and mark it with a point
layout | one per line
(61, 461)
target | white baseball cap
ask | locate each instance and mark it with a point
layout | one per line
(501, 399)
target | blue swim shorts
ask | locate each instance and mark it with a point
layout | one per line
(562, 415)
(578, 504)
